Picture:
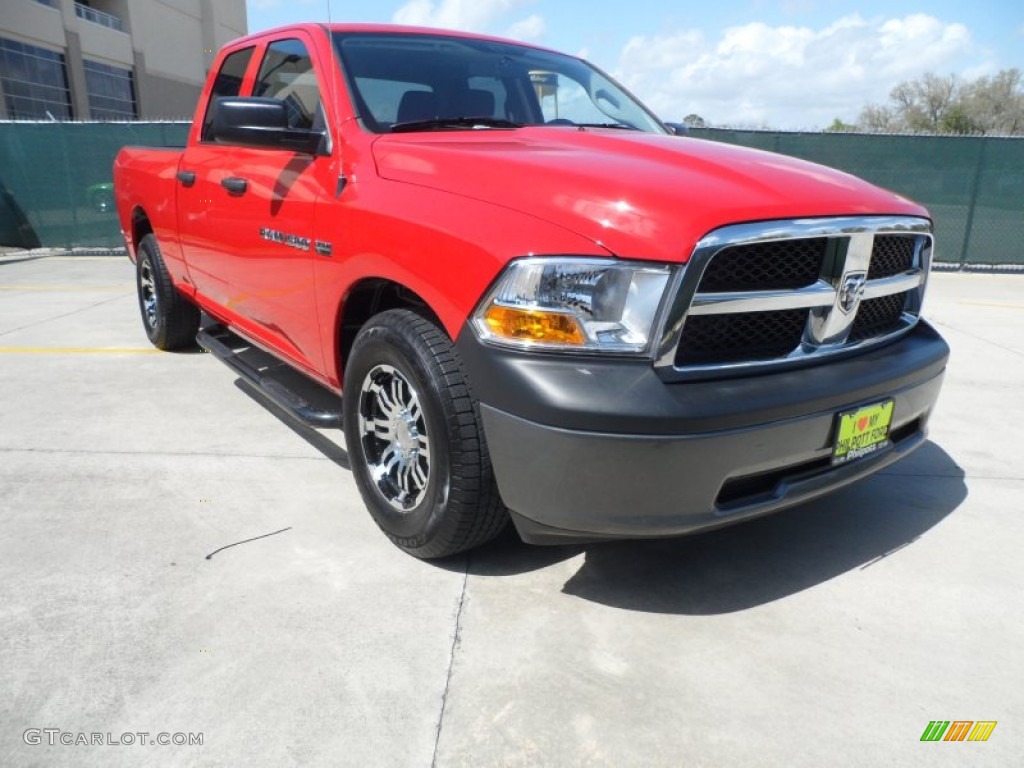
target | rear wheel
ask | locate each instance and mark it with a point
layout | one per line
(170, 320)
(414, 439)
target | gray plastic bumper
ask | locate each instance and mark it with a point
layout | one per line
(763, 444)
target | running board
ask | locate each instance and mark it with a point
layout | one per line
(280, 394)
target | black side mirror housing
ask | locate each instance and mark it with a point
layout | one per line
(261, 122)
(679, 129)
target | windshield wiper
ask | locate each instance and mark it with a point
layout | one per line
(441, 123)
(622, 126)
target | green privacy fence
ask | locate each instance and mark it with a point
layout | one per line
(55, 180)
(973, 186)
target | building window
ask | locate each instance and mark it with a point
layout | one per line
(111, 91)
(35, 82)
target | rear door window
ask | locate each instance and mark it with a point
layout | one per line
(228, 83)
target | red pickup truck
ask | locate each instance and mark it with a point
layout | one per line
(527, 298)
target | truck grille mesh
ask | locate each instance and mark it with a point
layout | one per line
(759, 302)
(765, 266)
(891, 255)
(877, 317)
(741, 336)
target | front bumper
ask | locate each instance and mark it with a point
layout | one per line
(586, 449)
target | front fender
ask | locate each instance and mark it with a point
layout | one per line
(446, 248)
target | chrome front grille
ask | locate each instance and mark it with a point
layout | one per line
(760, 296)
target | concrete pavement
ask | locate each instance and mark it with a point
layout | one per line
(827, 635)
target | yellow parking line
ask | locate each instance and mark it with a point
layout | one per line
(78, 351)
(80, 258)
(123, 287)
(991, 304)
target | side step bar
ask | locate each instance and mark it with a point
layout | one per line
(289, 401)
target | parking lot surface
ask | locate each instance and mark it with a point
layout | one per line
(177, 558)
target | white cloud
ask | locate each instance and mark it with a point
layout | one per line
(471, 15)
(789, 76)
(530, 28)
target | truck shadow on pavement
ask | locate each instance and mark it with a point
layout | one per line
(757, 562)
(734, 568)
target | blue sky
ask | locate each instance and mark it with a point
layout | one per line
(772, 63)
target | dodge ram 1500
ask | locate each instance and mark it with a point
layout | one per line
(528, 299)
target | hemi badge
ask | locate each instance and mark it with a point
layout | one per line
(293, 241)
(324, 248)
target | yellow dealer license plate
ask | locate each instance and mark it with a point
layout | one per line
(862, 432)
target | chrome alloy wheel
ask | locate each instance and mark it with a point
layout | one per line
(147, 287)
(394, 437)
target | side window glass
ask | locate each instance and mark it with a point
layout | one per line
(287, 74)
(228, 83)
(563, 98)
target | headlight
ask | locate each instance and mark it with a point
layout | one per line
(593, 305)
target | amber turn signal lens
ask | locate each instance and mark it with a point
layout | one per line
(533, 325)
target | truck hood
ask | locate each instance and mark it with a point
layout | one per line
(638, 195)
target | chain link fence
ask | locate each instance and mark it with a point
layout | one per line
(972, 185)
(56, 191)
(56, 186)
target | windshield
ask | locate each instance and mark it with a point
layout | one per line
(431, 82)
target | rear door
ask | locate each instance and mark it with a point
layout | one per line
(248, 230)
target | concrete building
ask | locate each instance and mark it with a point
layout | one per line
(110, 59)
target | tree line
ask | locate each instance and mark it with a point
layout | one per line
(935, 104)
(991, 105)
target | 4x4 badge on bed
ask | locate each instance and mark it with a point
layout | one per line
(852, 291)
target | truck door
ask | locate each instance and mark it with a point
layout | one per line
(247, 231)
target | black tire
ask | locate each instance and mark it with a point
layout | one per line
(428, 481)
(170, 320)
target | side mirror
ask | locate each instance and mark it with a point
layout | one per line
(261, 122)
(679, 129)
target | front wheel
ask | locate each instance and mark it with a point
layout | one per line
(414, 439)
